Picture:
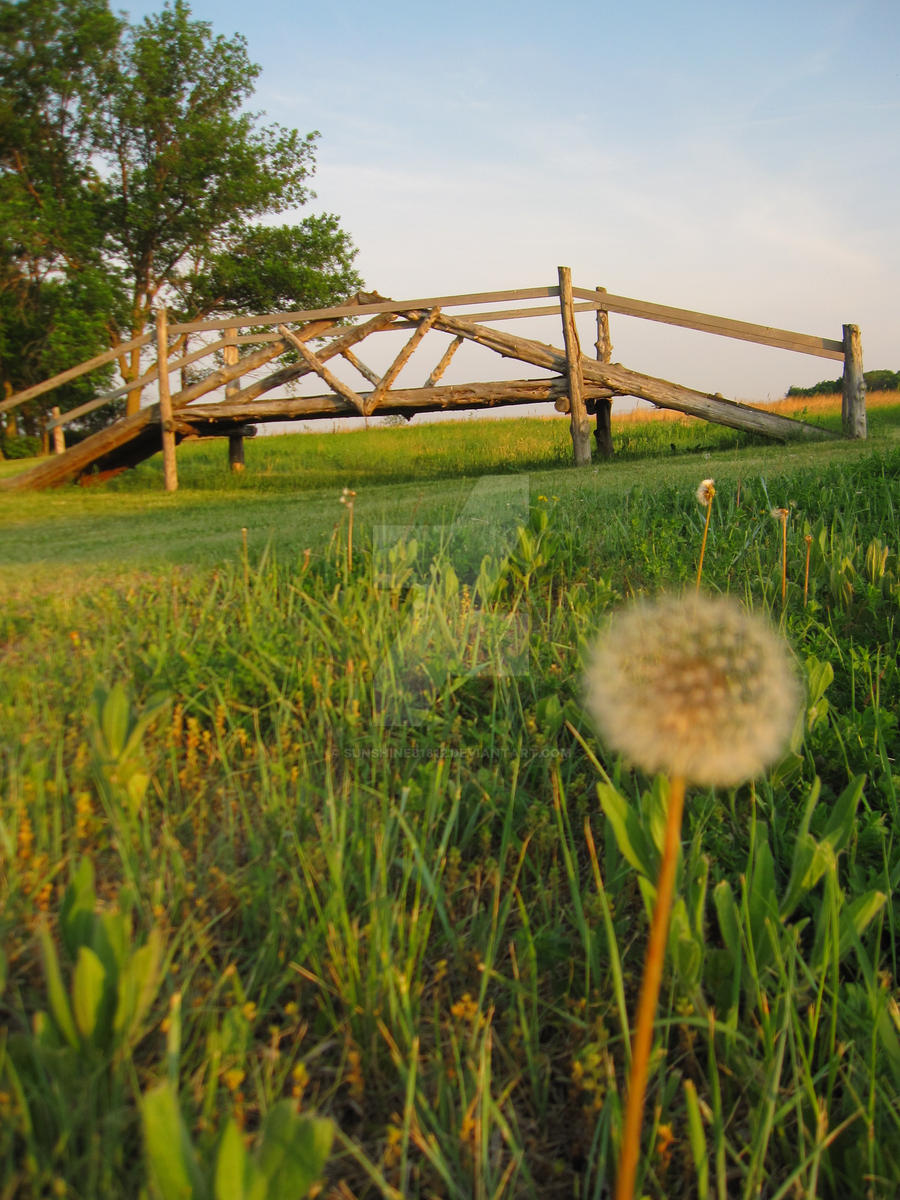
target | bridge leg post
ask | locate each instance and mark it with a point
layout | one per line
(59, 437)
(853, 400)
(603, 346)
(581, 424)
(235, 440)
(170, 469)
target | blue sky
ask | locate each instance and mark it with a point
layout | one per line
(741, 159)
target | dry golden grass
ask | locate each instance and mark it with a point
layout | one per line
(790, 406)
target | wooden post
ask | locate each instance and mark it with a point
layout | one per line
(603, 346)
(580, 423)
(230, 354)
(853, 401)
(59, 437)
(170, 470)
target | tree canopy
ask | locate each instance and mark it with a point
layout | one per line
(131, 174)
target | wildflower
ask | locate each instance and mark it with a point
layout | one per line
(695, 687)
(706, 491)
(706, 692)
(782, 514)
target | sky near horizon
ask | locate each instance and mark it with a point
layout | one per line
(739, 159)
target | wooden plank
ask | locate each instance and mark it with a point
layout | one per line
(853, 389)
(765, 335)
(363, 309)
(444, 362)
(170, 468)
(175, 364)
(579, 423)
(623, 382)
(408, 400)
(73, 373)
(422, 327)
(341, 389)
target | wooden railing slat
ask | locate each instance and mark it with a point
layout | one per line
(766, 335)
(74, 372)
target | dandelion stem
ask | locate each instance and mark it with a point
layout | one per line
(703, 543)
(806, 571)
(650, 984)
(783, 559)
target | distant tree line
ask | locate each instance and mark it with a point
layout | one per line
(131, 175)
(876, 381)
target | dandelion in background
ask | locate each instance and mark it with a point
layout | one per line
(705, 493)
(348, 496)
(782, 514)
(705, 692)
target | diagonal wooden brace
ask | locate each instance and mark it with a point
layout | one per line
(400, 361)
(331, 381)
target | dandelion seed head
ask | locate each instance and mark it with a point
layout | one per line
(706, 491)
(781, 514)
(694, 687)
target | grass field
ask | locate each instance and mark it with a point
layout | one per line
(307, 839)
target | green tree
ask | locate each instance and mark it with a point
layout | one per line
(148, 180)
(60, 299)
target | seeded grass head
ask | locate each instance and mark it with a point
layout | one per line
(695, 687)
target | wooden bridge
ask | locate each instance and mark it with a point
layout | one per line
(580, 385)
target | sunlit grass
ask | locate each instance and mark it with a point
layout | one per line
(395, 877)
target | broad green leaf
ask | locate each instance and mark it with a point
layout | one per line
(840, 826)
(762, 903)
(172, 1165)
(293, 1151)
(88, 985)
(697, 1140)
(114, 712)
(138, 984)
(626, 827)
(56, 991)
(231, 1165)
(856, 915)
(77, 912)
(819, 677)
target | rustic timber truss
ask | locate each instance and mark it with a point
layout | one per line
(580, 385)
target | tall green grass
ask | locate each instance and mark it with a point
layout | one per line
(364, 855)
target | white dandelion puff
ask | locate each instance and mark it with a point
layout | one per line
(706, 491)
(695, 687)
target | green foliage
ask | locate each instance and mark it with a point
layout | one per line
(290, 1155)
(876, 381)
(396, 879)
(131, 175)
(20, 447)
